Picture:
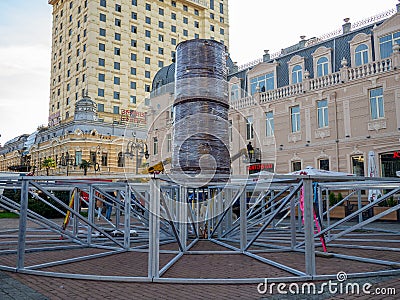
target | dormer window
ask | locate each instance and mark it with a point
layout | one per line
(297, 74)
(262, 83)
(361, 55)
(322, 66)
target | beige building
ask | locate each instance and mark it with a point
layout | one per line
(324, 102)
(110, 50)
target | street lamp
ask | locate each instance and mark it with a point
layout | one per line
(67, 161)
(134, 147)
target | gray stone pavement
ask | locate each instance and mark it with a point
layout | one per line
(23, 286)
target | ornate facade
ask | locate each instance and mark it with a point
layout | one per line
(324, 102)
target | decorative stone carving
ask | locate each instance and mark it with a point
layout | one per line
(322, 133)
(294, 137)
(377, 125)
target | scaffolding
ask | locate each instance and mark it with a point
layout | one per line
(267, 218)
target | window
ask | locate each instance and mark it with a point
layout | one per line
(134, 16)
(116, 81)
(102, 47)
(262, 83)
(117, 36)
(155, 145)
(173, 28)
(222, 31)
(297, 74)
(376, 103)
(212, 4)
(196, 35)
(102, 62)
(103, 3)
(169, 142)
(147, 88)
(117, 51)
(121, 161)
(357, 163)
(221, 8)
(117, 65)
(173, 16)
(133, 71)
(160, 64)
(133, 29)
(235, 92)
(386, 44)
(148, 20)
(212, 27)
(322, 66)
(322, 113)
(361, 54)
(173, 3)
(102, 77)
(211, 16)
(161, 38)
(117, 22)
(249, 128)
(102, 32)
(295, 118)
(323, 164)
(147, 60)
(269, 126)
(100, 92)
(147, 74)
(116, 97)
(296, 166)
(173, 41)
(133, 85)
(132, 99)
(134, 2)
(160, 50)
(133, 56)
(133, 43)
(161, 11)
(147, 47)
(148, 33)
(117, 8)
(160, 24)
(100, 107)
(196, 24)
(185, 20)
(185, 32)
(104, 159)
(78, 157)
(196, 12)
(115, 109)
(148, 7)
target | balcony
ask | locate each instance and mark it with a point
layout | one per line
(199, 3)
(345, 75)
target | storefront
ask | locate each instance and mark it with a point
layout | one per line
(390, 163)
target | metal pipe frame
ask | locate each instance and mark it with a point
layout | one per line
(165, 221)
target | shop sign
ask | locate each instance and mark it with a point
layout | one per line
(254, 168)
(133, 116)
(396, 154)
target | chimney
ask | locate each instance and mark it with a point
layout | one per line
(346, 26)
(266, 56)
(303, 41)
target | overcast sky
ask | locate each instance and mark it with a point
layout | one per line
(255, 25)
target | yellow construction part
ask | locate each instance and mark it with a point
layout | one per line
(159, 167)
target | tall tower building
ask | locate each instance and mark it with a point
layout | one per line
(110, 50)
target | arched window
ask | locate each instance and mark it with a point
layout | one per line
(121, 161)
(361, 54)
(297, 74)
(322, 67)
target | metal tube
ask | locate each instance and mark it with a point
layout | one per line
(309, 227)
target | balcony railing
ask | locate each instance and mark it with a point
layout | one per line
(345, 74)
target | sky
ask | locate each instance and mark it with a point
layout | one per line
(255, 26)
